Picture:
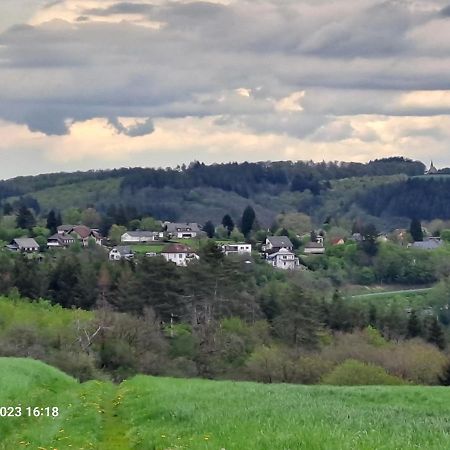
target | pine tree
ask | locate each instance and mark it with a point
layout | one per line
(435, 334)
(373, 315)
(25, 218)
(414, 325)
(416, 230)
(248, 220)
(53, 221)
(228, 224)
(209, 229)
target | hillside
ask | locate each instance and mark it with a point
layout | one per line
(200, 192)
(160, 413)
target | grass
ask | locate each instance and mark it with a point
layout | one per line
(147, 413)
(146, 248)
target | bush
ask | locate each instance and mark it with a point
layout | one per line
(355, 373)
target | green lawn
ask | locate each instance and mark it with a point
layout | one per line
(146, 248)
(160, 413)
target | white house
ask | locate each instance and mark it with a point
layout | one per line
(237, 249)
(121, 252)
(179, 254)
(284, 259)
(183, 230)
(275, 243)
(136, 237)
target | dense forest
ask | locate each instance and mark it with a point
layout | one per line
(425, 198)
(200, 192)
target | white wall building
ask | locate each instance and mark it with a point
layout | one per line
(179, 254)
(237, 249)
(284, 259)
(137, 237)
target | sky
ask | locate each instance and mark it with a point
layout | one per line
(89, 84)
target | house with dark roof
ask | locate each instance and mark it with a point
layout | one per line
(81, 233)
(276, 243)
(60, 240)
(23, 245)
(179, 254)
(121, 252)
(183, 230)
(138, 236)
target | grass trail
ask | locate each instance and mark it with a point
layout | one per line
(147, 413)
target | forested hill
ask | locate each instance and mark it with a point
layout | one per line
(202, 192)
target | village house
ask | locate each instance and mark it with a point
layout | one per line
(284, 259)
(121, 252)
(24, 245)
(431, 243)
(139, 237)
(237, 249)
(179, 254)
(81, 233)
(183, 230)
(60, 240)
(275, 243)
(314, 248)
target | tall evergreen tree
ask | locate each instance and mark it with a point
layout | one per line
(228, 224)
(25, 218)
(416, 230)
(248, 220)
(53, 221)
(209, 229)
(435, 334)
(414, 325)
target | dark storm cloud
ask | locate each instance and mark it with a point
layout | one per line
(350, 56)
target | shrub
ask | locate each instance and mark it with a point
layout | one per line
(354, 373)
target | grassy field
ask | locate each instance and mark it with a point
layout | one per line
(158, 413)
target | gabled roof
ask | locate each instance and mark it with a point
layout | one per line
(428, 244)
(177, 248)
(279, 241)
(65, 228)
(187, 226)
(25, 243)
(124, 250)
(313, 245)
(82, 231)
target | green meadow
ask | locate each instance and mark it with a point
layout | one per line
(159, 413)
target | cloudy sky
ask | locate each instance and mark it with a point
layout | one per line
(105, 83)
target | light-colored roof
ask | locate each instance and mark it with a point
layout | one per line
(140, 233)
(428, 244)
(26, 243)
(281, 252)
(123, 250)
(280, 241)
(313, 245)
